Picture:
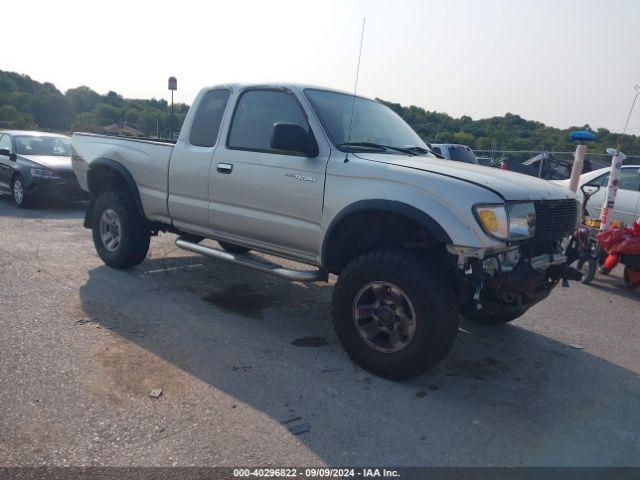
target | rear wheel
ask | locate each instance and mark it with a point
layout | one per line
(233, 248)
(120, 233)
(393, 314)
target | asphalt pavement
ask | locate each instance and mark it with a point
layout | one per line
(247, 370)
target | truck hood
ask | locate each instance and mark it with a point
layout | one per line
(508, 185)
(53, 162)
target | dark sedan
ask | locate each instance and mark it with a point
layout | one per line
(37, 164)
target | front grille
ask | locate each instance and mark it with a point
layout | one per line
(555, 219)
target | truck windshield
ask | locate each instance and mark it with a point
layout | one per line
(373, 123)
(44, 145)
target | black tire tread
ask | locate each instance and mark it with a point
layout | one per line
(441, 300)
(136, 233)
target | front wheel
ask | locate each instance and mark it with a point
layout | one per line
(393, 314)
(19, 192)
(120, 233)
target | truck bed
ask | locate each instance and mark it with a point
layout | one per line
(147, 160)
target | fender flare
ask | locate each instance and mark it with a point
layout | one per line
(391, 206)
(122, 170)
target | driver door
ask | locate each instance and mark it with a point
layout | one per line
(263, 197)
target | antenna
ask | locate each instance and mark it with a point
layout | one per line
(355, 88)
(621, 138)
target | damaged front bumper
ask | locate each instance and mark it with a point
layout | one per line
(507, 281)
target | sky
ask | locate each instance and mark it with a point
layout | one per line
(561, 62)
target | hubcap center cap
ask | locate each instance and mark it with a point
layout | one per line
(386, 316)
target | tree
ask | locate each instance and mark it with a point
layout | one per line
(83, 99)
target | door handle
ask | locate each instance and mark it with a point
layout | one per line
(225, 168)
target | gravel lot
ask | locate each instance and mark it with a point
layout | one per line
(237, 353)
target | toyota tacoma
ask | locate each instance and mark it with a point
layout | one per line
(341, 183)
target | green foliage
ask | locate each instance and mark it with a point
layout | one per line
(9, 115)
(510, 132)
(25, 103)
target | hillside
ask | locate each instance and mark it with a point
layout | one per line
(25, 103)
(510, 132)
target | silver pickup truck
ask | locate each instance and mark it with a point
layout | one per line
(341, 183)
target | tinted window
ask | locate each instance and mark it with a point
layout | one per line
(255, 115)
(436, 150)
(5, 142)
(205, 127)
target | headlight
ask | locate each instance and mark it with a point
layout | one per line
(41, 173)
(511, 221)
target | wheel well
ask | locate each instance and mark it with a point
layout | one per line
(112, 176)
(364, 230)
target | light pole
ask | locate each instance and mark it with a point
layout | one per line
(173, 85)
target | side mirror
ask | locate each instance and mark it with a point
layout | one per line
(290, 137)
(7, 153)
(589, 189)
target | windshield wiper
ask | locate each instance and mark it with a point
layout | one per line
(417, 149)
(377, 146)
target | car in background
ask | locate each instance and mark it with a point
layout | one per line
(454, 151)
(627, 206)
(37, 164)
(546, 166)
(486, 161)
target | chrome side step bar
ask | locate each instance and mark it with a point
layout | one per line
(319, 275)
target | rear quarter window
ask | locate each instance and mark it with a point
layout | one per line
(206, 125)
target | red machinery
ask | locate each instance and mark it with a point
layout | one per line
(622, 245)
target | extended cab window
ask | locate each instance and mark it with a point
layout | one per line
(257, 112)
(204, 131)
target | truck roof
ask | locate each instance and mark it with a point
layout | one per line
(282, 85)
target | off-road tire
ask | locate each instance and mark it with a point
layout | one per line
(434, 302)
(134, 228)
(487, 318)
(233, 248)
